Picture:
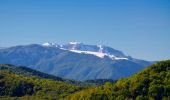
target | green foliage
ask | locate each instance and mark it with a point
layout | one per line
(100, 81)
(151, 83)
(27, 72)
(12, 85)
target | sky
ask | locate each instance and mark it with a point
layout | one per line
(139, 28)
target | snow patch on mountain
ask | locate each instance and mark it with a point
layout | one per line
(74, 43)
(99, 54)
(100, 48)
(48, 44)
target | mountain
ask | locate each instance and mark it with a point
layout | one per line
(74, 60)
(153, 83)
(19, 83)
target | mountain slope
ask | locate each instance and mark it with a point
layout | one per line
(152, 83)
(65, 63)
(27, 72)
(13, 85)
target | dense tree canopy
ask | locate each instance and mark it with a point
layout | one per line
(13, 85)
(151, 83)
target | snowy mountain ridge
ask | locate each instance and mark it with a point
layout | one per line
(96, 50)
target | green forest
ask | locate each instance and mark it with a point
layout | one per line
(153, 83)
(12, 85)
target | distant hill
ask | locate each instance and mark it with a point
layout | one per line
(28, 72)
(76, 61)
(20, 70)
(153, 83)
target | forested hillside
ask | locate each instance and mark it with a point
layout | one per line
(152, 83)
(16, 84)
(25, 71)
(28, 72)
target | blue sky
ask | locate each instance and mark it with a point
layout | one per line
(140, 28)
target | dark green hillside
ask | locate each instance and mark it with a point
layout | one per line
(25, 71)
(152, 83)
(13, 85)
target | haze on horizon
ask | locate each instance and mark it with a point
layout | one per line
(138, 28)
